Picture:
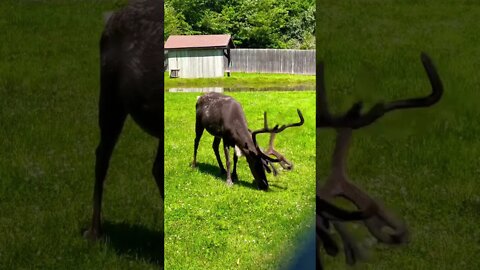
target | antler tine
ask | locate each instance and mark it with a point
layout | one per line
(328, 212)
(337, 183)
(283, 127)
(272, 135)
(278, 129)
(373, 214)
(380, 109)
(333, 212)
(263, 130)
(254, 138)
(274, 130)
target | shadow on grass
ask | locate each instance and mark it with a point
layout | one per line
(470, 207)
(278, 186)
(215, 172)
(136, 242)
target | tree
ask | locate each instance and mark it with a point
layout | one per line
(252, 23)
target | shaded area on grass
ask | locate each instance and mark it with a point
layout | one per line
(215, 172)
(136, 242)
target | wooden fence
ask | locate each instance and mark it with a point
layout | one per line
(273, 61)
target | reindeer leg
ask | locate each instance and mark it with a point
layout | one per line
(215, 146)
(198, 134)
(234, 174)
(157, 170)
(111, 120)
(227, 163)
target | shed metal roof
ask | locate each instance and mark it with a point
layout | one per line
(199, 41)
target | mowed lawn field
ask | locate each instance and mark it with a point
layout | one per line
(49, 85)
(424, 163)
(246, 80)
(209, 225)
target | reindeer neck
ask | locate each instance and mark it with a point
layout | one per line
(243, 139)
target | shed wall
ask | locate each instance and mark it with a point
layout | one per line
(197, 63)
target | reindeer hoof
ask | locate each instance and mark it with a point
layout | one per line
(262, 185)
(92, 235)
(229, 182)
(193, 165)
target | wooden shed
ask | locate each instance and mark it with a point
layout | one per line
(198, 56)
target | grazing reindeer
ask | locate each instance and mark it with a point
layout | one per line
(373, 214)
(223, 117)
(131, 83)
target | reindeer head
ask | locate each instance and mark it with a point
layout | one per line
(261, 161)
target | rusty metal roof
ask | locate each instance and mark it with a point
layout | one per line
(199, 41)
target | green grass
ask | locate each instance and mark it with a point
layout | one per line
(245, 80)
(209, 225)
(49, 84)
(422, 163)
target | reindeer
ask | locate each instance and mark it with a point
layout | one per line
(131, 83)
(374, 215)
(223, 117)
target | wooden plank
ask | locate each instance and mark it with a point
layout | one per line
(273, 61)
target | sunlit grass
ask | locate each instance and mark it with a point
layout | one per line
(209, 225)
(244, 80)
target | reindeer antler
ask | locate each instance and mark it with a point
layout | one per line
(276, 129)
(284, 162)
(373, 214)
(324, 118)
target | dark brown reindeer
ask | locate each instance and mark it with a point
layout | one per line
(131, 83)
(223, 117)
(374, 215)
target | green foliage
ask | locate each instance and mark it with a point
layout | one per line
(253, 24)
(175, 23)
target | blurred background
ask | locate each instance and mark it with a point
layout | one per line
(421, 163)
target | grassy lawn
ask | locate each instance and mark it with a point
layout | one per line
(211, 226)
(424, 163)
(245, 80)
(49, 84)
